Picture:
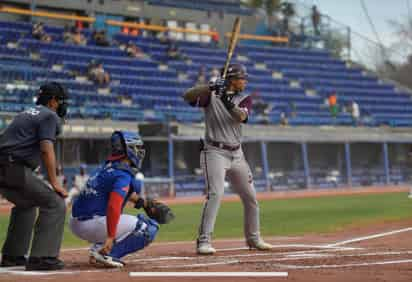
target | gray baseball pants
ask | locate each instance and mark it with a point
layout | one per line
(217, 164)
(36, 206)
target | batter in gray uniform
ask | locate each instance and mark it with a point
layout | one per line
(225, 110)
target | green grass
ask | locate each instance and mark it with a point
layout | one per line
(278, 217)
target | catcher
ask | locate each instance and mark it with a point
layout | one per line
(97, 212)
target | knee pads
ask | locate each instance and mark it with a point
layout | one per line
(147, 227)
(143, 234)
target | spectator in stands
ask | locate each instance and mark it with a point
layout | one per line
(77, 37)
(355, 113)
(134, 32)
(126, 100)
(39, 33)
(316, 19)
(215, 38)
(97, 73)
(162, 37)
(66, 34)
(74, 36)
(261, 108)
(283, 119)
(173, 52)
(125, 30)
(133, 51)
(333, 104)
(100, 38)
(288, 11)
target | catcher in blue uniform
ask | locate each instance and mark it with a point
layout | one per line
(97, 212)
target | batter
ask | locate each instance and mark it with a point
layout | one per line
(221, 154)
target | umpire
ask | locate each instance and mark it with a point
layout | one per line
(29, 138)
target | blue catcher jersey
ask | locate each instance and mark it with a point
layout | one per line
(111, 177)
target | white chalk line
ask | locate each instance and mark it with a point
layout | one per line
(208, 274)
(195, 265)
(290, 256)
(265, 254)
(190, 242)
(288, 266)
(373, 236)
(234, 248)
(20, 271)
(328, 247)
(159, 259)
(316, 256)
(308, 246)
(287, 258)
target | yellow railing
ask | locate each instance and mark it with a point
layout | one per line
(276, 39)
(159, 28)
(26, 12)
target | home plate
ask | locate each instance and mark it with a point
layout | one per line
(208, 274)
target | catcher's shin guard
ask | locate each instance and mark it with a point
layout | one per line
(143, 234)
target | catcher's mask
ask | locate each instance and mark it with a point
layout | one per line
(130, 144)
(51, 90)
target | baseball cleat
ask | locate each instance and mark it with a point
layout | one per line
(44, 263)
(259, 245)
(7, 261)
(205, 249)
(105, 260)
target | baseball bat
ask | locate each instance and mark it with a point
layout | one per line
(232, 44)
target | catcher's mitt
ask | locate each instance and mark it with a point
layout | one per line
(156, 210)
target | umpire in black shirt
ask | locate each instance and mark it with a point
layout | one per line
(27, 140)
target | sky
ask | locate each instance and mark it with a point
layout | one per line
(350, 12)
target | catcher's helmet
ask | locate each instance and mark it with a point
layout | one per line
(53, 89)
(236, 71)
(130, 144)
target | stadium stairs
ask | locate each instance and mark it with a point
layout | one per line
(292, 80)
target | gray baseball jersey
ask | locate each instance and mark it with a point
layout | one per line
(223, 157)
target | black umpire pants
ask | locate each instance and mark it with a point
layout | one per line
(31, 196)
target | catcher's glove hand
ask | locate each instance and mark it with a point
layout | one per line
(156, 210)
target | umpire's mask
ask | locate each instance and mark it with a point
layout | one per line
(53, 89)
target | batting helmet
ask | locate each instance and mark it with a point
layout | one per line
(130, 144)
(53, 89)
(236, 71)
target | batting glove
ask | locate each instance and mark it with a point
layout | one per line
(218, 85)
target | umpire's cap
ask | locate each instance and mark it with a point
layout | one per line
(49, 90)
(236, 71)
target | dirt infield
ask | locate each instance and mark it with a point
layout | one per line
(379, 252)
